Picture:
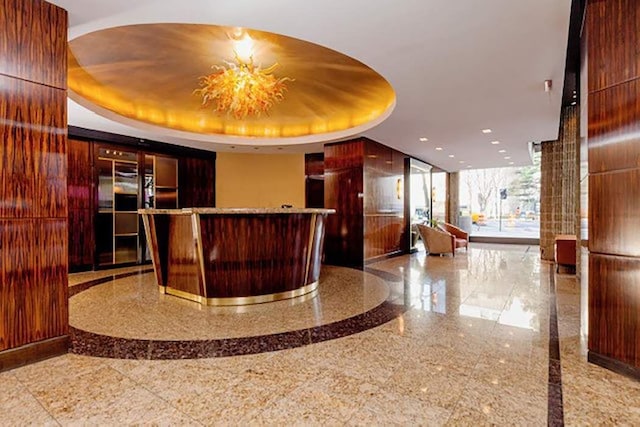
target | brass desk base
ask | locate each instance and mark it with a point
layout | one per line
(231, 301)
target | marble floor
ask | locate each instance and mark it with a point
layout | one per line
(411, 340)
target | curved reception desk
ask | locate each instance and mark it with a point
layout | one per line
(235, 256)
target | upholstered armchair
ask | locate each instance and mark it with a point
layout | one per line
(461, 236)
(436, 241)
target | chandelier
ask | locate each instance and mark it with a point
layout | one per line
(242, 88)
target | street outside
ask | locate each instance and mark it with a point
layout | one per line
(511, 227)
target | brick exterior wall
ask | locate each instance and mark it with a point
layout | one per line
(560, 185)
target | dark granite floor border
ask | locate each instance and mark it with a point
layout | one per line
(92, 344)
(555, 409)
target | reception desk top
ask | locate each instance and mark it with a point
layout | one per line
(241, 211)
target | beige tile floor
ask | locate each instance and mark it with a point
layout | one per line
(136, 310)
(473, 350)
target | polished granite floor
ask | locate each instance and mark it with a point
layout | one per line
(412, 340)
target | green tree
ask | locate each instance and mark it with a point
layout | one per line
(525, 186)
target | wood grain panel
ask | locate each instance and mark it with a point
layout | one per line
(614, 214)
(182, 266)
(80, 174)
(383, 235)
(614, 37)
(248, 255)
(18, 251)
(614, 128)
(33, 154)
(80, 200)
(197, 182)
(33, 41)
(48, 299)
(614, 304)
(344, 192)
(81, 243)
(614, 182)
(384, 226)
(314, 180)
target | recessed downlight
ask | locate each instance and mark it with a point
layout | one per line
(462, 161)
(451, 155)
(438, 148)
(486, 130)
(502, 151)
(507, 157)
(510, 163)
(495, 142)
(468, 166)
(423, 139)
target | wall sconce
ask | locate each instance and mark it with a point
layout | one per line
(399, 188)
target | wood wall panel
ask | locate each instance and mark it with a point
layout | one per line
(80, 174)
(314, 180)
(384, 226)
(614, 128)
(614, 202)
(49, 298)
(33, 154)
(197, 182)
(80, 192)
(33, 42)
(33, 170)
(614, 37)
(614, 328)
(18, 252)
(81, 241)
(344, 192)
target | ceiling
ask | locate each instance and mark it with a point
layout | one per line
(456, 67)
(153, 75)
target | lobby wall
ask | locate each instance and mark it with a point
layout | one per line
(259, 180)
(363, 182)
(612, 34)
(34, 318)
(559, 183)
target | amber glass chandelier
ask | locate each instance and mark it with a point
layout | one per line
(242, 88)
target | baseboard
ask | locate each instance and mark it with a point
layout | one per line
(614, 365)
(505, 240)
(383, 257)
(34, 352)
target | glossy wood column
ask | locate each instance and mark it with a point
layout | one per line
(612, 40)
(33, 191)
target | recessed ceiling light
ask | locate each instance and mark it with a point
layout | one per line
(461, 161)
(468, 166)
(502, 151)
(438, 148)
(423, 139)
(495, 142)
(451, 155)
(507, 157)
(573, 103)
(510, 163)
(486, 130)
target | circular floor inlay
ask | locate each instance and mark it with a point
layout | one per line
(132, 307)
(125, 317)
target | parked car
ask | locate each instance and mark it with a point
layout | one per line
(478, 218)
